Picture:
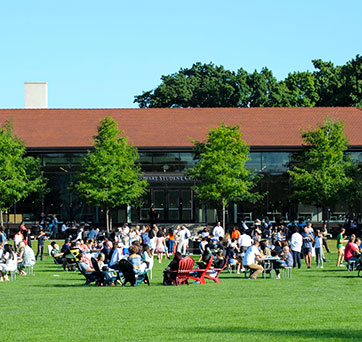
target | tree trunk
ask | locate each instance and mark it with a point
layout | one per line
(110, 221)
(223, 214)
(107, 219)
(1, 217)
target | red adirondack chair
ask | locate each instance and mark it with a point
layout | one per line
(215, 277)
(184, 268)
(203, 271)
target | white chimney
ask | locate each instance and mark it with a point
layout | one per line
(36, 94)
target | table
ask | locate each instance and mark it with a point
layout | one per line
(267, 262)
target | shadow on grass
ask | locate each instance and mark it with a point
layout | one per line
(60, 285)
(302, 333)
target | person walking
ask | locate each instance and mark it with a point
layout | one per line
(340, 247)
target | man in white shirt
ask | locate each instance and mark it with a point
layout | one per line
(218, 231)
(244, 242)
(183, 240)
(296, 242)
(250, 260)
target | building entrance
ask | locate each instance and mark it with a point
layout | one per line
(172, 204)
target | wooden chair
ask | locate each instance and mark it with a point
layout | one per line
(183, 272)
(95, 276)
(202, 271)
(214, 273)
(130, 276)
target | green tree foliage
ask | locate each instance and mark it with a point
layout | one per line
(203, 85)
(110, 176)
(208, 85)
(19, 175)
(301, 90)
(220, 173)
(324, 174)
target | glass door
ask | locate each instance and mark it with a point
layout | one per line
(173, 205)
(158, 202)
(186, 205)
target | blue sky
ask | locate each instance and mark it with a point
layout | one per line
(100, 54)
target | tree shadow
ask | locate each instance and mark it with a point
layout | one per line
(315, 334)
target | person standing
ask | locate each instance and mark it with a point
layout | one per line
(218, 231)
(244, 242)
(308, 240)
(41, 238)
(153, 216)
(340, 247)
(318, 245)
(296, 243)
(184, 235)
(325, 237)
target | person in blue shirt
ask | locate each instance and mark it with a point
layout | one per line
(3, 237)
(308, 240)
(93, 233)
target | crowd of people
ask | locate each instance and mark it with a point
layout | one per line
(244, 249)
(14, 259)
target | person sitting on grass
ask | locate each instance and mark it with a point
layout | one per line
(169, 274)
(250, 260)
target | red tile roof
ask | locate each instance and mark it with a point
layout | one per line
(174, 127)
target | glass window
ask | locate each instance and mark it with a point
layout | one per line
(275, 162)
(145, 158)
(187, 160)
(166, 158)
(255, 162)
(356, 156)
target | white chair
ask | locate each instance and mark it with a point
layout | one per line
(12, 275)
(287, 272)
(150, 267)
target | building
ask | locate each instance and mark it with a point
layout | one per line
(59, 137)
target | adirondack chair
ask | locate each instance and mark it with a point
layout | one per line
(202, 271)
(129, 275)
(213, 273)
(183, 272)
(95, 276)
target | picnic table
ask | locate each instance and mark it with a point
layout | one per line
(267, 263)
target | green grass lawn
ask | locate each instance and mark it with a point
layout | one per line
(315, 305)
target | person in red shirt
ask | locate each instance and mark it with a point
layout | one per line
(351, 249)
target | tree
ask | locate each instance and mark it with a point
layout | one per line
(202, 85)
(220, 173)
(324, 175)
(19, 175)
(110, 176)
(302, 89)
(265, 90)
